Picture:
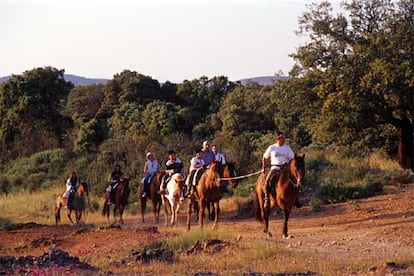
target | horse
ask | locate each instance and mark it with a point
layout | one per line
(153, 195)
(227, 172)
(209, 190)
(171, 199)
(284, 194)
(78, 204)
(122, 192)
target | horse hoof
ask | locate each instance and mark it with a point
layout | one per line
(269, 234)
(287, 237)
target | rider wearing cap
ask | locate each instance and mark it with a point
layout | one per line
(151, 167)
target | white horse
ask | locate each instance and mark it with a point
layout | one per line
(171, 199)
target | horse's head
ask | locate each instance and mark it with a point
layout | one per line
(230, 173)
(297, 169)
(179, 179)
(83, 189)
(214, 173)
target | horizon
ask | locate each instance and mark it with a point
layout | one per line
(167, 40)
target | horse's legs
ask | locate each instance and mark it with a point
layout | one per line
(166, 207)
(174, 209)
(58, 205)
(216, 213)
(157, 211)
(189, 207)
(69, 213)
(286, 212)
(114, 211)
(201, 213)
(196, 210)
(121, 212)
(143, 207)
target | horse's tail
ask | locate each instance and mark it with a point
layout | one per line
(256, 208)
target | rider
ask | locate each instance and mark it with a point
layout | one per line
(151, 167)
(206, 154)
(72, 185)
(196, 164)
(113, 178)
(173, 165)
(218, 156)
(279, 154)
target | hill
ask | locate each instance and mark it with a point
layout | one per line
(263, 80)
(79, 80)
(76, 80)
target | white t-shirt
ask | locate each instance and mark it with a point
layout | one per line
(220, 157)
(279, 155)
(195, 161)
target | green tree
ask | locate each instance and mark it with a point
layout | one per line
(128, 87)
(361, 69)
(246, 109)
(89, 137)
(84, 102)
(31, 116)
(160, 118)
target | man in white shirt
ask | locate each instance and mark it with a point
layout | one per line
(279, 155)
(218, 156)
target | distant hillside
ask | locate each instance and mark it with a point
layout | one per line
(76, 80)
(263, 80)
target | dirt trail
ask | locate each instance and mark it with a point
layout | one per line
(376, 229)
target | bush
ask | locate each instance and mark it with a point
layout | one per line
(36, 171)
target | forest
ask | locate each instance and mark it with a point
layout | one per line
(349, 92)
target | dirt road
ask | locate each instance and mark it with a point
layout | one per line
(378, 232)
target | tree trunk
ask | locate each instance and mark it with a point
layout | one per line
(405, 135)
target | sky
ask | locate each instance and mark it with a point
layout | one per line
(171, 40)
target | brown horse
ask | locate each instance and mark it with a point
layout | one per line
(122, 192)
(227, 174)
(171, 199)
(209, 190)
(77, 204)
(154, 187)
(284, 194)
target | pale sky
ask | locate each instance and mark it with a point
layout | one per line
(166, 39)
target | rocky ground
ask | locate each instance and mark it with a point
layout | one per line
(379, 228)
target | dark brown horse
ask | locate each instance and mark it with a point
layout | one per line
(284, 193)
(154, 187)
(122, 192)
(209, 189)
(77, 204)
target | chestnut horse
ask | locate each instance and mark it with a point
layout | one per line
(227, 174)
(153, 195)
(122, 192)
(284, 194)
(78, 204)
(171, 199)
(209, 190)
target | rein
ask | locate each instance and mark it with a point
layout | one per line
(238, 177)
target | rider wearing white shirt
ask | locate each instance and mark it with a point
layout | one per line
(279, 155)
(218, 156)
